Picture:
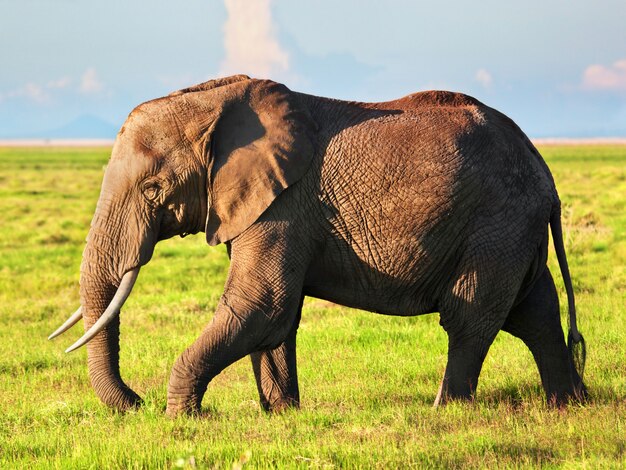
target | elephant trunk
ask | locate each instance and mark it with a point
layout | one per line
(97, 289)
(104, 372)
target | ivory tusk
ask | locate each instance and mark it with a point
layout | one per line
(123, 291)
(70, 322)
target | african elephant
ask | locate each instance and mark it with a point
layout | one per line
(430, 203)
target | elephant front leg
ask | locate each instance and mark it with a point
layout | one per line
(222, 343)
(259, 311)
(276, 373)
(240, 327)
(478, 302)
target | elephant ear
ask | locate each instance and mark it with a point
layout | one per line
(262, 143)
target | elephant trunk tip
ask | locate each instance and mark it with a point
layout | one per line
(118, 396)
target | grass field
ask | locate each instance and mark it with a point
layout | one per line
(367, 381)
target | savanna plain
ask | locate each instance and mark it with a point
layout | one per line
(367, 381)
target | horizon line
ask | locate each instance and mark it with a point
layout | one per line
(80, 142)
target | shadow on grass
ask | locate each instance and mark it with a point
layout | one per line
(530, 453)
(517, 396)
(604, 395)
(514, 396)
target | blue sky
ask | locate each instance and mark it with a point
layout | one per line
(557, 67)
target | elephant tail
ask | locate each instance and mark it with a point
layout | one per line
(575, 340)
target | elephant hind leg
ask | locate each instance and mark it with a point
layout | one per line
(536, 321)
(466, 354)
(471, 329)
(276, 373)
(472, 314)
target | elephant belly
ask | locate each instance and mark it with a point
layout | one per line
(394, 287)
(390, 250)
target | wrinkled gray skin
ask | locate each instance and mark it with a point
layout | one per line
(433, 202)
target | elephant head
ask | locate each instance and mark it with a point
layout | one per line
(208, 158)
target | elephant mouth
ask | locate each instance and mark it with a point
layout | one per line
(112, 311)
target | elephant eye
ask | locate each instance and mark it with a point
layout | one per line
(151, 190)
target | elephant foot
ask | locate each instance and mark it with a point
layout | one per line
(582, 395)
(579, 395)
(443, 398)
(280, 405)
(183, 406)
(186, 389)
(452, 388)
(186, 400)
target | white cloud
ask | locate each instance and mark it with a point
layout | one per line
(484, 78)
(250, 42)
(31, 91)
(600, 77)
(90, 83)
(35, 93)
(63, 82)
(44, 94)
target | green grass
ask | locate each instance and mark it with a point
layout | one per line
(367, 381)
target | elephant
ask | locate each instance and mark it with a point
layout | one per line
(433, 202)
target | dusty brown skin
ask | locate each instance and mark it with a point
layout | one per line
(433, 202)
